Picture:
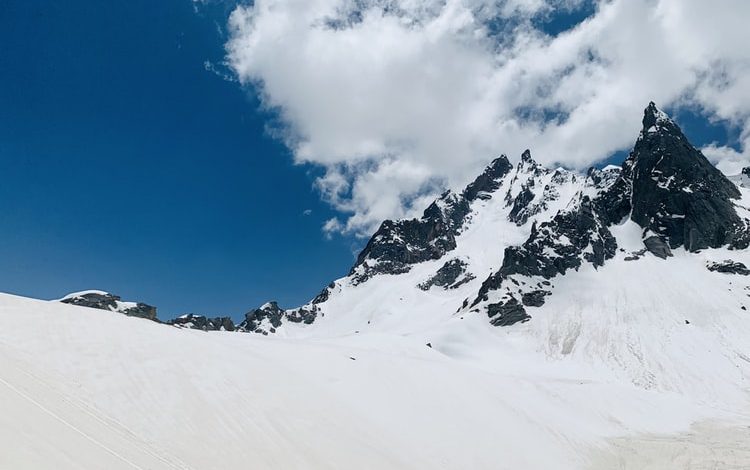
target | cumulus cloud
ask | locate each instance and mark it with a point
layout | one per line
(398, 99)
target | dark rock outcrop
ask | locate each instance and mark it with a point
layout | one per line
(450, 276)
(397, 245)
(302, 315)
(729, 267)
(677, 194)
(507, 313)
(324, 294)
(270, 312)
(519, 213)
(111, 302)
(489, 181)
(201, 322)
(556, 246)
(268, 317)
(534, 298)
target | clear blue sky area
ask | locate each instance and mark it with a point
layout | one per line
(126, 166)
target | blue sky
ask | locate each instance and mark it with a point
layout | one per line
(128, 166)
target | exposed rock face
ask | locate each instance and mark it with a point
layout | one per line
(532, 199)
(268, 317)
(201, 322)
(520, 214)
(658, 247)
(302, 315)
(534, 298)
(270, 314)
(678, 195)
(397, 245)
(489, 180)
(324, 294)
(113, 303)
(572, 237)
(450, 276)
(100, 300)
(507, 313)
(729, 267)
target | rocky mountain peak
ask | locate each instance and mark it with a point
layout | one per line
(528, 165)
(654, 118)
(526, 157)
(489, 180)
(678, 196)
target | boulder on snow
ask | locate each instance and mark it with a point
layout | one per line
(729, 267)
(657, 247)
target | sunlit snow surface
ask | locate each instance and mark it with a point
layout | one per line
(610, 356)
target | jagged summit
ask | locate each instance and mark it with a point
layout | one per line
(677, 194)
(489, 180)
(526, 157)
(654, 118)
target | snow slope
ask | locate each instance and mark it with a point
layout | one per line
(84, 388)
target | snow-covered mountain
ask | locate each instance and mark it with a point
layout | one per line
(540, 318)
(498, 247)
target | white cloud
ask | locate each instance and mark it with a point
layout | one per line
(398, 98)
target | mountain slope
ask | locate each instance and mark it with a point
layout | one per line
(162, 397)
